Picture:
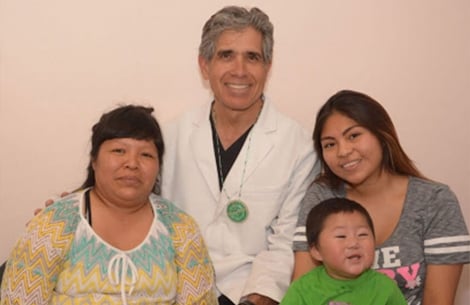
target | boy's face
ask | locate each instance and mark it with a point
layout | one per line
(346, 245)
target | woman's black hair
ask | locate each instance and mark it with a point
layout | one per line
(130, 121)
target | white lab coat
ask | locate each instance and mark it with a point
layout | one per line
(254, 256)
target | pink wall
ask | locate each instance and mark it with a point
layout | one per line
(62, 63)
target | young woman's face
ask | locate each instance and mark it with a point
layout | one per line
(345, 245)
(126, 169)
(351, 152)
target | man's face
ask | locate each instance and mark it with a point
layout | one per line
(237, 72)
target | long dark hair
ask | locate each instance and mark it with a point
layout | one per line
(130, 121)
(368, 113)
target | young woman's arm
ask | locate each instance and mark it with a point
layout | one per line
(441, 284)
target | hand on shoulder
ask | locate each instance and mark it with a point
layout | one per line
(48, 202)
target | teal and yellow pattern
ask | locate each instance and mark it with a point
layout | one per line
(60, 260)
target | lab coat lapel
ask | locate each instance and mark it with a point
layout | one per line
(262, 141)
(252, 154)
(202, 148)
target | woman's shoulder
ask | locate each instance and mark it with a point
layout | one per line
(164, 205)
(316, 193)
(168, 212)
(181, 227)
(427, 183)
(67, 206)
(61, 218)
(429, 189)
(323, 191)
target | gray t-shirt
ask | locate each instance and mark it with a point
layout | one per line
(431, 230)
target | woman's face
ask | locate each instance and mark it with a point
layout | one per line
(352, 152)
(126, 170)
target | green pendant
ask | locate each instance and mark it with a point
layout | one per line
(237, 211)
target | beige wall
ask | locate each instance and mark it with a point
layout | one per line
(62, 63)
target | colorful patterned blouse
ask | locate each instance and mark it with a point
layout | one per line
(61, 260)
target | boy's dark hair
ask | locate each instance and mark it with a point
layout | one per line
(319, 213)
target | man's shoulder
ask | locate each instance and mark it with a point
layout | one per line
(283, 124)
(281, 116)
(194, 115)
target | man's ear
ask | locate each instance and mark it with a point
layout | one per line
(315, 253)
(204, 67)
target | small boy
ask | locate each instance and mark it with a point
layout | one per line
(341, 235)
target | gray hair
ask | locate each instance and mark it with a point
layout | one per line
(236, 18)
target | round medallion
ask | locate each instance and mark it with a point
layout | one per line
(237, 211)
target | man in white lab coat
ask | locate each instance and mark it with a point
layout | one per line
(237, 165)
